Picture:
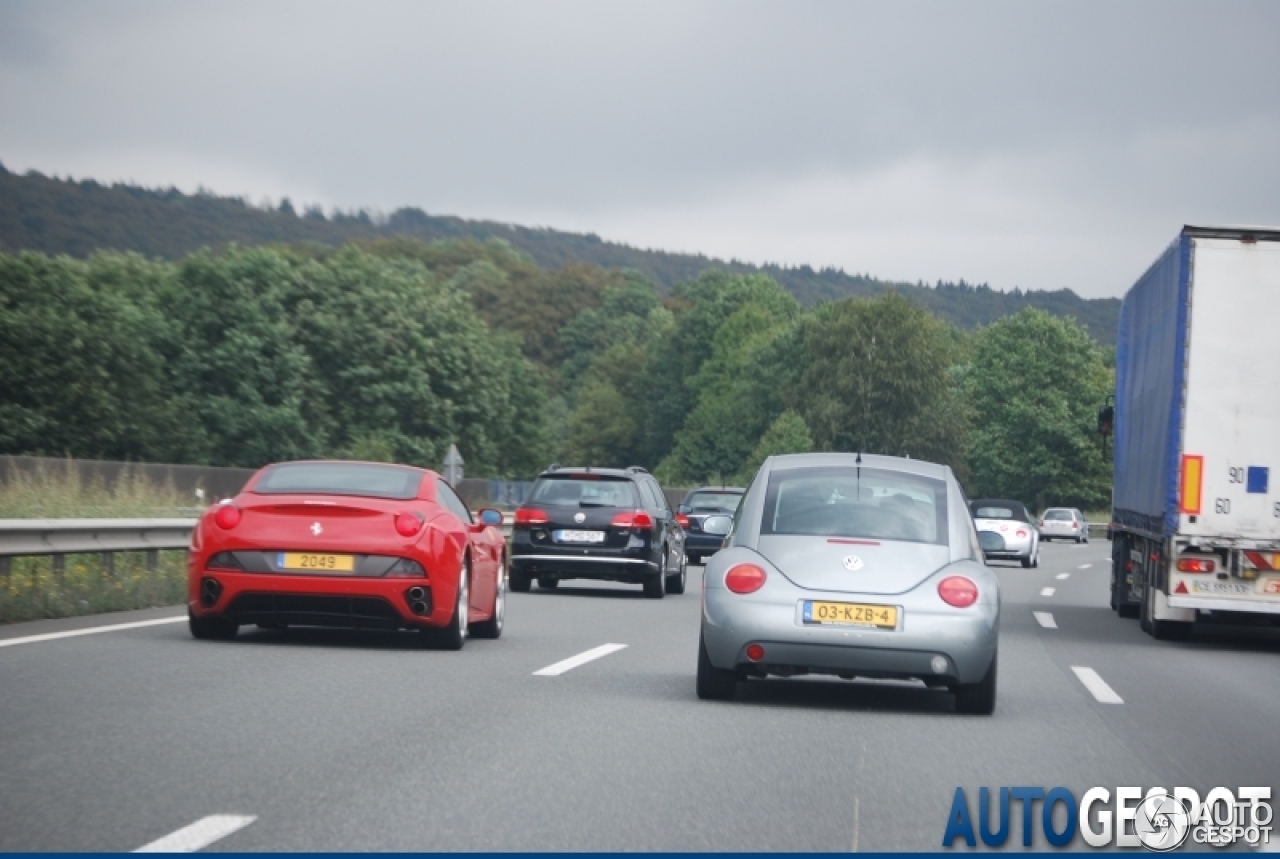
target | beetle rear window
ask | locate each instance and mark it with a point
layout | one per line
(871, 503)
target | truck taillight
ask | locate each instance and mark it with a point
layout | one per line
(1196, 565)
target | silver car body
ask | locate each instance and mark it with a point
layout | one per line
(1020, 539)
(880, 572)
(1064, 522)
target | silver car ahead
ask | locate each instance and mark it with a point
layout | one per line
(1065, 522)
(854, 566)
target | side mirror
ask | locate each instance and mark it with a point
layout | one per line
(718, 525)
(490, 516)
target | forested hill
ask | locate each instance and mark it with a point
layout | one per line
(59, 216)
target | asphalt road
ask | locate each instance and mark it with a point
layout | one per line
(360, 741)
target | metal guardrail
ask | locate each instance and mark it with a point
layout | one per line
(61, 537)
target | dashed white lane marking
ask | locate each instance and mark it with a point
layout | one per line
(1046, 592)
(581, 659)
(93, 630)
(1096, 685)
(1062, 576)
(1045, 619)
(1084, 566)
(199, 835)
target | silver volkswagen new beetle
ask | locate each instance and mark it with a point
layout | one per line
(854, 566)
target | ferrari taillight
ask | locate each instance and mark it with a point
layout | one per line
(227, 517)
(408, 524)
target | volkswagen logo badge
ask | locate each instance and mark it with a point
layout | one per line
(317, 528)
(852, 563)
(579, 517)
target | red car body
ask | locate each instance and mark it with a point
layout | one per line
(366, 564)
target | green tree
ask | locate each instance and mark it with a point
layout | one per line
(1033, 386)
(83, 363)
(787, 434)
(738, 393)
(877, 379)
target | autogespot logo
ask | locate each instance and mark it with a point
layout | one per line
(1159, 820)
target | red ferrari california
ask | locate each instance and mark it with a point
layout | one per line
(348, 544)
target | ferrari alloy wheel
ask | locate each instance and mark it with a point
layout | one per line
(492, 628)
(453, 636)
(675, 581)
(655, 587)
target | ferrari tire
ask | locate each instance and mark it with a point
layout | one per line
(492, 628)
(676, 581)
(978, 699)
(714, 684)
(211, 628)
(547, 583)
(454, 635)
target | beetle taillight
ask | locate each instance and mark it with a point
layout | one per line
(227, 517)
(745, 578)
(408, 524)
(958, 591)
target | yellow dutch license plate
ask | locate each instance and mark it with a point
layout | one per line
(851, 614)
(310, 562)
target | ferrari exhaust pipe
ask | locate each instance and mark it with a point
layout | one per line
(417, 593)
(419, 607)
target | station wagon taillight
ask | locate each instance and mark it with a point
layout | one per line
(682, 520)
(637, 519)
(531, 516)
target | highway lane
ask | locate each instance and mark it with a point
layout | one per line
(359, 741)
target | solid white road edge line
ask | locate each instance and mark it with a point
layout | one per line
(93, 630)
(1045, 619)
(200, 834)
(1063, 576)
(1046, 592)
(581, 659)
(1096, 685)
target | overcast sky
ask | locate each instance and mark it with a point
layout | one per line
(1032, 144)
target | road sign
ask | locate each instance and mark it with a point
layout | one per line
(453, 463)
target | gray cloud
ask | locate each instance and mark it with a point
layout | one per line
(1039, 145)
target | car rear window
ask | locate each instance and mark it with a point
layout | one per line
(1058, 515)
(581, 491)
(871, 503)
(985, 511)
(340, 478)
(713, 502)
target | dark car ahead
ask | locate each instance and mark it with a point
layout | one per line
(697, 506)
(606, 524)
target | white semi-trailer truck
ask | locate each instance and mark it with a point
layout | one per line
(1196, 504)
